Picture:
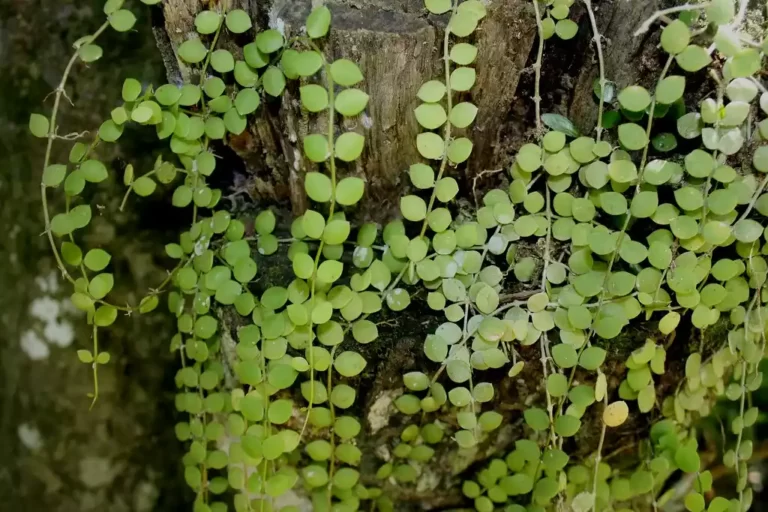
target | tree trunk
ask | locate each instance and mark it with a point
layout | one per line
(398, 46)
(122, 456)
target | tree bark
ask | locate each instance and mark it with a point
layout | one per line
(398, 46)
(123, 455)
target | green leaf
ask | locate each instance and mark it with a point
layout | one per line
(463, 54)
(167, 94)
(462, 79)
(566, 29)
(349, 146)
(745, 63)
(144, 186)
(97, 259)
(463, 114)
(564, 355)
(422, 176)
(131, 89)
(100, 285)
(687, 459)
(318, 187)
(670, 90)
(39, 125)
(664, 142)
(413, 208)
(318, 22)
(693, 58)
(273, 81)
(61, 224)
(85, 356)
(207, 22)
(430, 115)
(93, 171)
(238, 21)
(634, 98)
(349, 363)
(608, 92)
(438, 6)
(349, 191)
(192, 51)
(222, 61)
(234, 122)
(269, 41)
(561, 124)
(315, 98)
(345, 72)
(592, 358)
(316, 147)
(122, 20)
(675, 37)
(462, 24)
(632, 136)
(430, 145)
(432, 91)
(459, 150)
(247, 101)
(90, 52)
(536, 418)
(53, 175)
(350, 102)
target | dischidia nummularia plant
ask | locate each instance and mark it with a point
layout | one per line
(628, 231)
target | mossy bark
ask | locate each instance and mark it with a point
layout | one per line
(122, 456)
(398, 46)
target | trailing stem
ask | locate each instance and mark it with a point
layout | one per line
(537, 68)
(447, 129)
(51, 136)
(600, 65)
(332, 168)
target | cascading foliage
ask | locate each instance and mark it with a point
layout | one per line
(626, 230)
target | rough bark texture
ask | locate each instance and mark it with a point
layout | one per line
(122, 456)
(398, 47)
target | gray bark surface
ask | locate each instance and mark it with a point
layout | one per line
(122, 455)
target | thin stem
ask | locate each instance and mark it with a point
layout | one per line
(705, 205)
(537, 68)
(447, 129)
(51, 136)
(548, 242)
(600, 64)
(597, 466)
(624, 227)
(658, 14)
(95, 366)
(332, 168)
(267, 424)
(130, 189)
(332, 460)
(651, 113)
(543, 340)
(755, 197)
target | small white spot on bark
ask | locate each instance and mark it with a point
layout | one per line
(378, 415)
(30, 436)
(296, 159)
(366, 120)
(275, 21)
(34, 346)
